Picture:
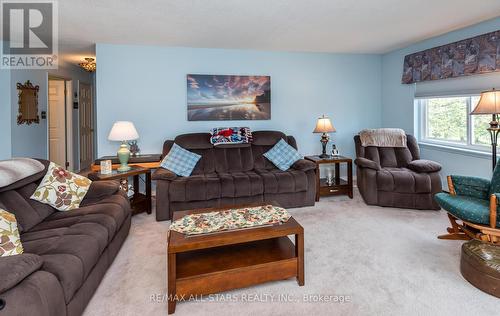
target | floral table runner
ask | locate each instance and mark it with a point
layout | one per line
(230, 219)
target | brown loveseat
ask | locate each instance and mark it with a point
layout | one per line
(233, 174)
(66, 254)
(396, 177)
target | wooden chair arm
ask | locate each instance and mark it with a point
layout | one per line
(493, 211)
(450, 186)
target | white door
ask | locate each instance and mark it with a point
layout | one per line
(57, 122)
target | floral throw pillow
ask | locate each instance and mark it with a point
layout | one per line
(10, 242)
(62, 189)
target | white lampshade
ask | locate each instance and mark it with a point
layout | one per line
(324, 125)
(123, 131)
(489, 103)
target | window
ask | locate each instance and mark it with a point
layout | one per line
(446, 121)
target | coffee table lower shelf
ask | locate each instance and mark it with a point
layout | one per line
(223, 268)
(230, 267)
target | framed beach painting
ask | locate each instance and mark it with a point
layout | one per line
(228, 97)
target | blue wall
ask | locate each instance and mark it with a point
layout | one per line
(398, 106)
(147, 85)
(5, 110)
(29, 140)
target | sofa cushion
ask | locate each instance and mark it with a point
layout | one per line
(277, 181)
(71, 243)
(10, 243)
(28, 212)
(14, 269)
(195, 188)
(403, 180)
(233, 158)
(61, 189)
(238, 184)
(467, 208)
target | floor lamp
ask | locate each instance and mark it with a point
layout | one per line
(489, 103)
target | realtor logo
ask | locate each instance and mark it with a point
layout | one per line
(29, 34)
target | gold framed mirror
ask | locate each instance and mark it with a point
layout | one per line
(28, 103)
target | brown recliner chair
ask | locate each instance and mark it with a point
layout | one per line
(396, 176)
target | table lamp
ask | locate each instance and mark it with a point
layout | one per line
(123, 131)
(324, 125)
(489, 103)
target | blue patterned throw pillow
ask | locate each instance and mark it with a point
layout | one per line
(180, 161)
(282, 155)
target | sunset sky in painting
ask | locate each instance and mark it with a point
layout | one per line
(225, 89)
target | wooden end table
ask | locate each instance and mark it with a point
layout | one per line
(339, 186)
(150, 161)
(139, 202)
(212, 263)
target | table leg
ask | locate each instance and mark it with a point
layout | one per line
(136, 186)
(349, 178)
(171, 263)
(337, 173)
(148, 192)
(317, 182)
(299, 252)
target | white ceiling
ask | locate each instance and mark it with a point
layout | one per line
(346, 26)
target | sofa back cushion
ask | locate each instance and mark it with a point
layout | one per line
(17, 201)
(389, 157)
(198, 143)
(229, 158)
(233, 158)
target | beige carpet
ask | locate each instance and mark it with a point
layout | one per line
(385, 261)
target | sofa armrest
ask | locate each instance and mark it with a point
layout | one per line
(366, 163)
(304, 165)
(100, 189)
(470, 186)
(14, 269)
(163, 174)
(424, 166)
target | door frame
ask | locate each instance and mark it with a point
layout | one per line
(68, 122)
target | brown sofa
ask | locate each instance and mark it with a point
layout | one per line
(233, 174)
(66, 254)
(397, 177)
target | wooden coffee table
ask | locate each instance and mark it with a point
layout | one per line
(217, 262)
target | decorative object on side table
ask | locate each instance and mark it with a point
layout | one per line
(123, 131)
(332, 184)
(134, 148)
(139, 202)
(324, 126)
(489, 103)
(335, 151)
(106, 167)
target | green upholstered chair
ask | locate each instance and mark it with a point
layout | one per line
(472, 207)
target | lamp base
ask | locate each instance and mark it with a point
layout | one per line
(123, 155)
(324, 141)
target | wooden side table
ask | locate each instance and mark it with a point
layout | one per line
(150, 161)
(339, 186)
(140, 202)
